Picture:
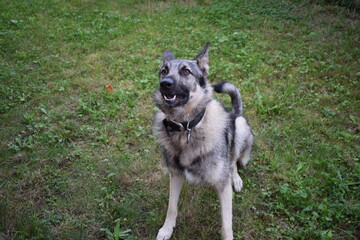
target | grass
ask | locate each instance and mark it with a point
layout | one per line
(79, 162)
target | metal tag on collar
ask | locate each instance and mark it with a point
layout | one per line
(189, 132)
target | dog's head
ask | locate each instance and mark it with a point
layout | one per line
(183, 82)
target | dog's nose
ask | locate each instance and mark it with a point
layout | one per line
(166, 83)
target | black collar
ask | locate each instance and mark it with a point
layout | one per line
(183, 126)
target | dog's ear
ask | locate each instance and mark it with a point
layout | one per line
(202, 59)
(167, 56)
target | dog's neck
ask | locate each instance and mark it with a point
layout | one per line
(184, 116)
(185, 125)
(173, 126)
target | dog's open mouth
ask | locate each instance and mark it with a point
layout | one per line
(172, 98)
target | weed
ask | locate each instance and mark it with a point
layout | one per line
(117, 234)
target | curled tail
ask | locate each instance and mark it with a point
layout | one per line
(235, 95)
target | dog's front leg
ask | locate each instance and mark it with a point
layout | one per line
(225, 197)
(176, 182)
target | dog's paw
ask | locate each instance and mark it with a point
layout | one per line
(164, 233)
(237, 182)
(228, 238)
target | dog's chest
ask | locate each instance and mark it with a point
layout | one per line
(191, 152)
(200, 164)
(185, 140)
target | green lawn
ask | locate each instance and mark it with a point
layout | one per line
(79, 162)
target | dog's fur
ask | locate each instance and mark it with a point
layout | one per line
(209, 151)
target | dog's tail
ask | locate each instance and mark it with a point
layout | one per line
(235, 95)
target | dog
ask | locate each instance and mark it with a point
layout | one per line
(201, 141)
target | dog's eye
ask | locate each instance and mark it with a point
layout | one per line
(164, 71)
(186, 71)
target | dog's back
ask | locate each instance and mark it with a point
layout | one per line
(243, 136)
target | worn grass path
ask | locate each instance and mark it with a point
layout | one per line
(79, 162)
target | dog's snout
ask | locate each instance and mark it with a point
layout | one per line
(166, 83)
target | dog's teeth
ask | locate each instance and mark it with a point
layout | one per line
(170, 99)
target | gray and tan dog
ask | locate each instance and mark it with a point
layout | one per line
(202, 142)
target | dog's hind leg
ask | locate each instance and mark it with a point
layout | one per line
(176, 182)
(225, 197)
(245, 156)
